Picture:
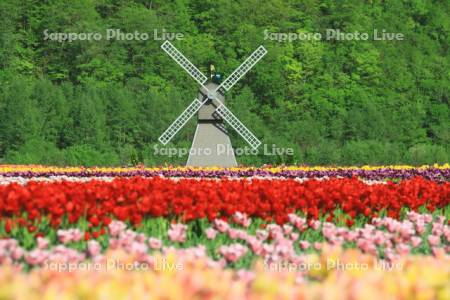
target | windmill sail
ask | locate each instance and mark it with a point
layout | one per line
(237, 125)
(184, 62)
(180, 121)
(194, 107)
(243, 68)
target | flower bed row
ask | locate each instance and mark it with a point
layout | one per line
(99, 233)
(436, 173)
(133, 199)
(236, 243)
(284, 262)
(418, 277)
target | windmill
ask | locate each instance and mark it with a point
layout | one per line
(211, 145)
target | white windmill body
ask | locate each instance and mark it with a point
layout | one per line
(211, 145)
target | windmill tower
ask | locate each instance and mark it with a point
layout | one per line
(211, 145)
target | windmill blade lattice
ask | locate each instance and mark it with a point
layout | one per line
(243, 68)
(237, 125)
(180, 121)
(197, 104)
(184, 62)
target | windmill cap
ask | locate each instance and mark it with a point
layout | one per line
(217, 78)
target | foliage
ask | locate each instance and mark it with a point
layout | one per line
(333, 102)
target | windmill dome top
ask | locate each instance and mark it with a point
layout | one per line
(217, 78)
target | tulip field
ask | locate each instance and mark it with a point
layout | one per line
(292, 232)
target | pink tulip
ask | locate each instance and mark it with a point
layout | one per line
(315, 225)
(284, 249)
(42, 243)
(365, 245)
(328, 232)
(267, 249)
(63, 236)
(221, 225)
(402, 249)
(390, 256)
(76, 235)
(447, 233)
(412, 216)
(245, 276)
(420, 228)
(377, 222)
(317, 246)
(243, 235)
(434, 240)
(379, 239)
(262, 234)
(427, 218)
(141, 237)
(233, 233)
(199, 251)
(139, 249)
(256, 246)
(437, 229)
(114, 243)
(241, 219)
(211, 233)
(70, 235)
(154, 243)
(233, 253)
(116, 227)
(438, 251)
(392, 226)
(93, 248)
(293, 236)
(275, 232)
(415, 241)
(246, 223)
(287, 229)
(36, 257)
(177, 233)
(350, 236)
(17, 253)
(304, 245)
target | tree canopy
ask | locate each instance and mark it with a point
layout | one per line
(106, 101)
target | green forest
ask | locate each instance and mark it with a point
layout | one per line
(335, 102)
